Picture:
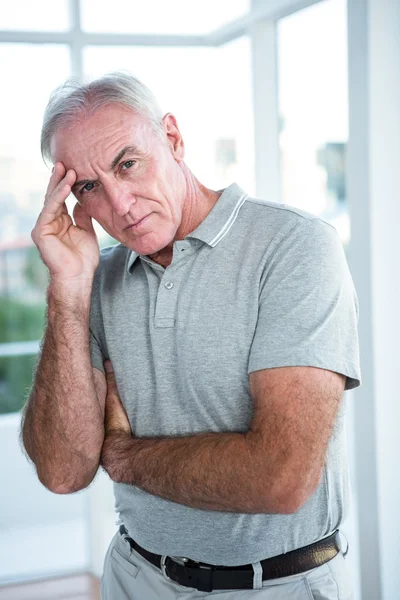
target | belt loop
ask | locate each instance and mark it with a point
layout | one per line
(127, 546)
(258, 573)
(124, 534)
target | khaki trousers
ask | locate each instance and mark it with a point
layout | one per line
(129, 576)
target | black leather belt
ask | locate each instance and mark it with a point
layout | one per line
(206, 578)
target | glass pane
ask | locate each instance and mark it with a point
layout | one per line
(23, 181)
(215, 118)
(158, 16)
(314, 111)
(15, 381)
(40, 15)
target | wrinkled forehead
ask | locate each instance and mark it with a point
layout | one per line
(101, 132)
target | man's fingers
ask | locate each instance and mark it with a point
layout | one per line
(111, 383)
(108, 366)
(58, 190)
(57, 174)
(61, 183)
(116, 418)
(54, 204)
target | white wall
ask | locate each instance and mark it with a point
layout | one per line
(41, 533)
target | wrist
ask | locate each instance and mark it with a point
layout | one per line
(70, 294)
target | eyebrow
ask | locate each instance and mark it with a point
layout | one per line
(121, 154)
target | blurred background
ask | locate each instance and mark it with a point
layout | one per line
(298, 102)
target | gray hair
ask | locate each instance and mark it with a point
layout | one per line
(74, 98)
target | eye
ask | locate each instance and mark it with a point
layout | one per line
(87, 188)
(128, 164)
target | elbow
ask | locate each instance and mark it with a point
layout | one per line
(65, 489)
(64, 486)
(27, 451)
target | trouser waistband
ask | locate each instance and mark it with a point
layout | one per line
(206, 577)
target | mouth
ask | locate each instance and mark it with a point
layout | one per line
(138, 223)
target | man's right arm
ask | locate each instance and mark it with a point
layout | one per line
(63, 424)
(63, 421)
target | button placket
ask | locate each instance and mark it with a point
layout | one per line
(166, 300)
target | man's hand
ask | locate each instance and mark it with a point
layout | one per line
(117, 428)
(71, 252)
(116, 420)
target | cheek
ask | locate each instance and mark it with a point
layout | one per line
(162, 171)
(97, 210)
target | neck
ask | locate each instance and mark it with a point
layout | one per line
(197, 204)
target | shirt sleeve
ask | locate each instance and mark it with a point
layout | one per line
(308, 307)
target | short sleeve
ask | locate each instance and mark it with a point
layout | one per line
(308, 307)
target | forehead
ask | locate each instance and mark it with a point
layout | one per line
(107, 130)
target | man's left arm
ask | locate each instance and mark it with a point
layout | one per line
(272, 468)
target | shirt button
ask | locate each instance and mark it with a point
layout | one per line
(169, 285)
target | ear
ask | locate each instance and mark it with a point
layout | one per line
(174, 137)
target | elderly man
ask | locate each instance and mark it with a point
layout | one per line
(201, 361)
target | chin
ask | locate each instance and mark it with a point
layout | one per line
(150, 243)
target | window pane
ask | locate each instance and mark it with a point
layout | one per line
(40, 15)
(215, 115)
(15, 381)
(23, 181)
(158, 16)
(314, 111)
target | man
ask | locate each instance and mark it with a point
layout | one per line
(201, 361)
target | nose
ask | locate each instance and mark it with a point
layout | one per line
(120, 198)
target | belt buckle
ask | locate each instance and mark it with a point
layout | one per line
(181, 560)
(202, 587)
(178, 559)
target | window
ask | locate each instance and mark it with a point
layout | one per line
(41, 15)
(23, 180)
(314, 111)
(158, 16)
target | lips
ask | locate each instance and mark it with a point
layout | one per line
(138, 222)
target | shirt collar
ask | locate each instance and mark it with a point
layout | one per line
(218, 221)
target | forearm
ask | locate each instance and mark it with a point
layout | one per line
(210, 471)
(63, 428)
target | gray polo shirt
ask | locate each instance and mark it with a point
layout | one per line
(256, 285)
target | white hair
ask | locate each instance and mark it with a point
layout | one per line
(74, 98)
